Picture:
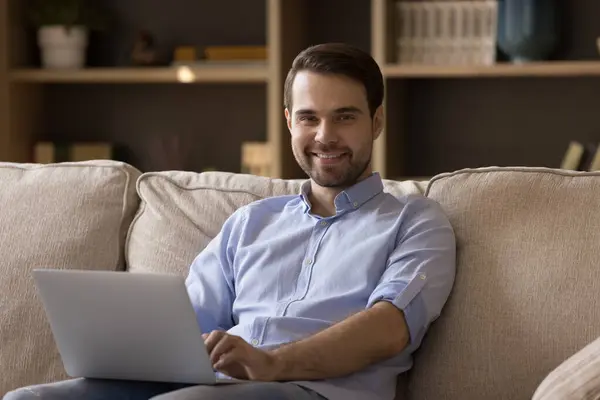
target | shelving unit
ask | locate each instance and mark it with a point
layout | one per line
(30, 95)
(437, 118)
(443, 118)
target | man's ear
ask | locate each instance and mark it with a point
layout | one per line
(288, 117)
(378, 122)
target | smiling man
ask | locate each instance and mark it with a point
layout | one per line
(324, 294)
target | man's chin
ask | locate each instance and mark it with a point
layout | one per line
(330, 181)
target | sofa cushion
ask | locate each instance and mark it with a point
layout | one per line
(66, 216)
(526, 292)
(181, 212)
(578, 378)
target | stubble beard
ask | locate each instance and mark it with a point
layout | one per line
(332, 177)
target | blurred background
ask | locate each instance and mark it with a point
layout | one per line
(198, 85)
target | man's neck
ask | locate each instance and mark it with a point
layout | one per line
(322, 200)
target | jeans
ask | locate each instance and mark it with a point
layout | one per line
(100, 389)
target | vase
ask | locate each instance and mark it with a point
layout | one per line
(63, 47)
(527, 29)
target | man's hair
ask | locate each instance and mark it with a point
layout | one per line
(338, 59)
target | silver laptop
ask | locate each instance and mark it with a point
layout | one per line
(120, 325)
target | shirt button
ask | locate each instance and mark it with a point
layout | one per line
(324, 223)
(308, 261)
(422, 276)
(355, 204)
(254, 342)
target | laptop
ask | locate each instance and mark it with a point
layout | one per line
(121, 325)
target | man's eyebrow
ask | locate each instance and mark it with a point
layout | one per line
(341, 110)
(350, 109)
(305, 111)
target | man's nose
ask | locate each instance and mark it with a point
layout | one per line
(326, 133)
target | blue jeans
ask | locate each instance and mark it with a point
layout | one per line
(99, 389)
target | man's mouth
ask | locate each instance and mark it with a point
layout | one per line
(330, 158)
(329, 155)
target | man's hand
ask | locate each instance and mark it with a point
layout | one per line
(234, 357)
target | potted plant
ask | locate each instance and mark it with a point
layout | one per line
(63, 30)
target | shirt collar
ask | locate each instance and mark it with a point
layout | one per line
(351, 198)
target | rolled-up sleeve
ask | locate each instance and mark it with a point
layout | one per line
(210, 283)
(421, 269)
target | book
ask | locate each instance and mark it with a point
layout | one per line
(573, 156)
(595, 162)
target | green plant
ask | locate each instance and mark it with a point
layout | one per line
(67, 13)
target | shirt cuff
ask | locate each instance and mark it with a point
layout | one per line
(408, 298)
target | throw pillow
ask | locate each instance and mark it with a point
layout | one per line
(576, 378)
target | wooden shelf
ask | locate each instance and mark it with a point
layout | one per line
(204, 74)
(259, 73)
(541, 69)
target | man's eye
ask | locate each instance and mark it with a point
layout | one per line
(346, 117)
(307, 119)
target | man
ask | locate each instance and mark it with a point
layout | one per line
(325, 294)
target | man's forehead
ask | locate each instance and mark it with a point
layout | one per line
(327, 93)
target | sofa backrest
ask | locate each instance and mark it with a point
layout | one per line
(68, 216)
(526, 295)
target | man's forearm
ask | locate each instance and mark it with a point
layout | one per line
(351, 345)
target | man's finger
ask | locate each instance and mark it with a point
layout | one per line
(232, 364)
(225, 345)
(213, 338)
(229, 358)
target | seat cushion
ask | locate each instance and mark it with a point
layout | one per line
(527, 289)
(65, 216)
(181, 212)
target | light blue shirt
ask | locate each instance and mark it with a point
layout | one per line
(277, 273)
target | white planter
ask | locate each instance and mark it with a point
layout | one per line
(63, 48)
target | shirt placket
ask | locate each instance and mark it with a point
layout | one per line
(310, 258)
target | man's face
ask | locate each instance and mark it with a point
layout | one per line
(332, 130)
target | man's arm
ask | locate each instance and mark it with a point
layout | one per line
(353, 344)
(210, 279)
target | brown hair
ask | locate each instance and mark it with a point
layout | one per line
(342, 59)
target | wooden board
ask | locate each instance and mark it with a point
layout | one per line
(539, 69)
(205, 74)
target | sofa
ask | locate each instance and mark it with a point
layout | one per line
(521, 322)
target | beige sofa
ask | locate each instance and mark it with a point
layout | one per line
(526, 296)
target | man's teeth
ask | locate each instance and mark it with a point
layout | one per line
(329, 155)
